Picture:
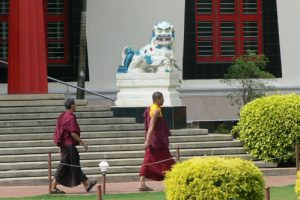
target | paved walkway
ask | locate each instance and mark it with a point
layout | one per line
(113, 188)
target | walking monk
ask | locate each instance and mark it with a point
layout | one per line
(157, 159)
(67, 137)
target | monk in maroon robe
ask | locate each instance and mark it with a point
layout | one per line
(157, 159)
(67, 137)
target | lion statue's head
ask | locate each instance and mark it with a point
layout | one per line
(163, 34)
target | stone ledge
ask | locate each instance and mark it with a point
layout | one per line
(31, 97)
(174, 115)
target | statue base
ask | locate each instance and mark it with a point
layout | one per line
(135, 95)
(175, 116)
(136, 89)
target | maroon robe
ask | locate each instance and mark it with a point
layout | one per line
(65, 125)
(157, 159)
(69, 172)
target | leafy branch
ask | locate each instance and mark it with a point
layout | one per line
(248, 76)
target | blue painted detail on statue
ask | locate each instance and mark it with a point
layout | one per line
(128, 50)
(129, 55)
(128, 59)
(160, 47)
(148, 59)
(137, 53)
(122, 69)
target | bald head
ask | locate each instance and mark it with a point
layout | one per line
(69, 102)
(158, 98)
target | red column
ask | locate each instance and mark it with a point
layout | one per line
(27, 57)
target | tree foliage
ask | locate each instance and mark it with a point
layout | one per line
(247, 75)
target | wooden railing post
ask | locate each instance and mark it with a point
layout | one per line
(99, 192)
(177, 154)
(267, 193)
(49, 173)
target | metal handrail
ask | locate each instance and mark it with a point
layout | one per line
(73, 86)
(80, 88)
(4, 62)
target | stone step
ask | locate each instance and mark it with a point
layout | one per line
(120, 147)
(27, 124)
(32, 181)
(87, 170)
(112, 162)
(39, 116)
(35, 103)
(31, 97)
(124, 177)
(279, 171)
(52, 109)
(84, 128)
(119, 141)
(93, 163)
(124, 154)
(264, 165)
(94, 135)
(52, 122)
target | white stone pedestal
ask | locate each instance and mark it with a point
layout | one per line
(136, 89)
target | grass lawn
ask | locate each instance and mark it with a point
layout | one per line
(277, 193)
(283, 193)
(139, 196)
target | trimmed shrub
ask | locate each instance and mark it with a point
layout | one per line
(223, 129)
(269, 127)
(213, 178)
(297, 187)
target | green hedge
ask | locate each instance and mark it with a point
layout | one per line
(269, 127)
(213, 178)
(297, 187)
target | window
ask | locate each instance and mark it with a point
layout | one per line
(227, 28)
(250, 29)
(4, 7)
(56, 19)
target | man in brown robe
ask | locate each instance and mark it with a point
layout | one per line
(157, 159)
(67, 137)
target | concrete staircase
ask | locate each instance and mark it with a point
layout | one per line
(27, 124)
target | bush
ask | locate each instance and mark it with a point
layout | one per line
(214, 178)
(269, 127)
(223, 129)
(297, 188)
(249, 73)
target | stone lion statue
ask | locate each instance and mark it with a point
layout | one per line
(158, 56)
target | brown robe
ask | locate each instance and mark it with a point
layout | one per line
(157, 151)
(67, 175)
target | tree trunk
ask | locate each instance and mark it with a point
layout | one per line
(82, 53)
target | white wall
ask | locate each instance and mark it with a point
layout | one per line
(113, 24)
(289, 34)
